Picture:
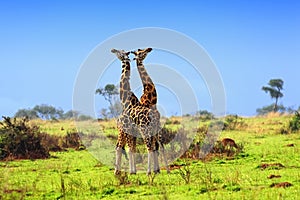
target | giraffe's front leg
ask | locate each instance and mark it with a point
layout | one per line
(118, 160)
(150, 158)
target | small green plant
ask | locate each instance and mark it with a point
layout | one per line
(108, 191)
(122, 178)
(151, 177)
(185, 172)
(62, 187)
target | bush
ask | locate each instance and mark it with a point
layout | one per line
(62, 143)
(294, 124)
(20, 140)
(233, 122)
(72, 140)
(204, 115)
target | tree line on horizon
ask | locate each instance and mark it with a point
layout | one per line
(48, 112)
(274, 89)
(110, 93)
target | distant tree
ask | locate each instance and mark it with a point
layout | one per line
(205, 115)
(29, 113)
(71, 114)
(115, 109)
(104, 114)
(267, 109)
(290, 110)
(48, 112)
(274, 89)
(109, 92)
(84, 117)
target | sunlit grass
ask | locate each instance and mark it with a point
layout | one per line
(78, 175)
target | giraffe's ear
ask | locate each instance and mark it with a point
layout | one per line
(127, 53)
(139, 49)
(149, 49)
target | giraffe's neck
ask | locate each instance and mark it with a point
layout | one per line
(143, 73)
(125, 89)
(149, 97)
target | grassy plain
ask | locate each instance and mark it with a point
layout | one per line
(268, 157)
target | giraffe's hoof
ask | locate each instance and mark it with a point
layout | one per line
(157, 171)
(132, 173)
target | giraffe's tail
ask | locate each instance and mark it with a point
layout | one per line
(125, 154)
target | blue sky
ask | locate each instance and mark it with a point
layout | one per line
(44, 43)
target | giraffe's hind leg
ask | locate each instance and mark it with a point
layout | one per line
(152, 155)
(156, 168)
(150, 158)
(164, 158)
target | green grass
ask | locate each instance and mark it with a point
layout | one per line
(78, 175)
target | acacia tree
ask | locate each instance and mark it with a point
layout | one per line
(42, 111)
(274, 89)
(29, 113)
(109, 92)
(47, 112)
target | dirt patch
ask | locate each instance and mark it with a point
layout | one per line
(273, 176)
(271, 166)
(282, 184)
(290, 145)
(9, 191)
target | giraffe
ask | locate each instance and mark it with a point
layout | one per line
(127, 131)
(149, 100)
(135, 118)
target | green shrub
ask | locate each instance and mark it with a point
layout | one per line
(233, 122)
(20, 140)
(294, 124)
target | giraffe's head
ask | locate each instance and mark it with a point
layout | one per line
(121, 54)
(141, 54)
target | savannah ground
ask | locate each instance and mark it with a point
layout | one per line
(268, 157)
